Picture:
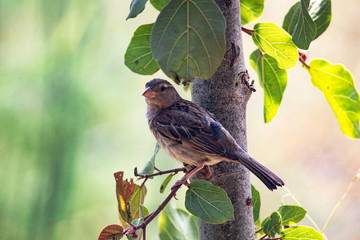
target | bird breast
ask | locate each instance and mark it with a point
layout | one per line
(185, 153)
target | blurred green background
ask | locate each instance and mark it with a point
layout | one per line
(71, 114)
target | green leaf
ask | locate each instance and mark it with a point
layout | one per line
(257, 223)
(136, 7)
(143, 211)
(129, 196)
(188, 39)
(255, 196)
(209, 202)
(320, 12)
(274, 41)
(177, 224)
(337, 85)
(272, 224)
(149, 166)
(135, 222)
(136, 200)
(159, 4)
(138, 56)
(300, 25)
(251, 10)
(272, 79)
(166, 182)
(291, 214)
(300, 233)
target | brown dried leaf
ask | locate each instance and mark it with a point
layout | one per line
(111, 232)
(124, 191)
(129, 197)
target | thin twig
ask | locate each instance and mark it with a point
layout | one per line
(176, 170)
(263, 237)
(341, 200)
(259, 230)
(143, 183)
(174, 189)
(144, 233)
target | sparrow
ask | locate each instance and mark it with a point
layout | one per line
(192, 135)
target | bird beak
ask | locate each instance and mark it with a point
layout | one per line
(149, 93)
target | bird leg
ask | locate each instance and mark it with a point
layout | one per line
(206, 172)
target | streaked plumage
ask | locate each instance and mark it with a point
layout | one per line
(191, 135)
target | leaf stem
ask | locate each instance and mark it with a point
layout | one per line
(302, 59)
(174, 189)
(247, 30)
(259, 230)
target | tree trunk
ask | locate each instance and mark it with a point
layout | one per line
(226, 94)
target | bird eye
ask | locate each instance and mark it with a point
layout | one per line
(163, 88)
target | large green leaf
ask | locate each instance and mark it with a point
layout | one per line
(159, 4)
(255, 196)
(209, 202)
(274, 41)
(272, 224)
(337, 85)
(177, 224)
(300, 233)
(150, 165)
(272, 79)
(299, 24)
(136, 7)
(251, 10)
(291, 214)
(320, 12)
(138, 56)
(188, 39)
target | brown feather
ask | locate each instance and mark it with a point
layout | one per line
(191, 134)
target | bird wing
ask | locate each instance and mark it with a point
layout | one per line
(187, 123)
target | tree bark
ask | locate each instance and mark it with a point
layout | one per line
(226, 95)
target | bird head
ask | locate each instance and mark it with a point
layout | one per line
(160, 94)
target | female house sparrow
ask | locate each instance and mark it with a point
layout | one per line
(191, 135)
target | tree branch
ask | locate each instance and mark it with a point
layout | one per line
(174, 189)
(226, 95)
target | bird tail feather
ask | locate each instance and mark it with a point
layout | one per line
(270, 179)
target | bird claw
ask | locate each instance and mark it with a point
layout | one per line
(206, 172)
